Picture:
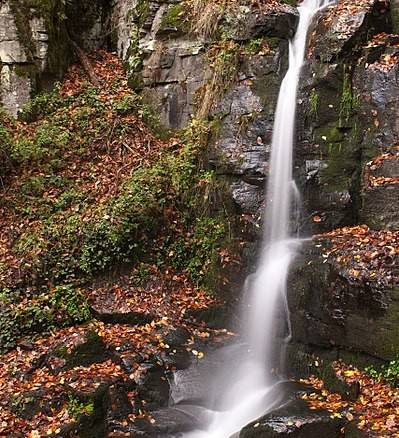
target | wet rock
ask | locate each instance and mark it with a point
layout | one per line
(380, 207)
(192, 386)
(172, 75)
(380, 194)
(346, 29)
(176, 337)
(114, 317)
(175, 65)
(280, 22)
(248, 197)
(129, 361)
(343, 96)
(85, 351)
(395, 15)
(294, 420)
(118, 405)
(330, 311)
(214, 316)
(115, 312)
(153, 386)
(379, 97)
(352, 431)
(168, 423)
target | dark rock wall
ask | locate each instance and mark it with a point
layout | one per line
(348, 117)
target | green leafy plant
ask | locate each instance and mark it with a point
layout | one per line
(253, 46)
(197, 253)
(348, 99)
(43, 104)
(388, 372)
(20, 314)
(76, 408)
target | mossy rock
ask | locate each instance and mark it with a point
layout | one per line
(336, 384)
(28, 404)
(175, 20)
(395, 16)
(91, 350)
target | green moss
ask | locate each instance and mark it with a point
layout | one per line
(134, 60)
(127, 225)
(339, 150)
(253, 46)
(44, 104)
(314, 105)
(389, 372)
(74, 238)
(395, 17)
(388, 341)
(48, 142)
(348, 100)
(198, 255)
(142, 12)
(25, 70)
(175, 19)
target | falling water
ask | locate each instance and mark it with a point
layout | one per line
(247, 391)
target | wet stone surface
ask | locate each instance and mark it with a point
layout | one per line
(294, 420)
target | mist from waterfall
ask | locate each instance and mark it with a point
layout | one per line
(246, 391)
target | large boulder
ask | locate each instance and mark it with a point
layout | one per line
(294, 420)
(344, 294)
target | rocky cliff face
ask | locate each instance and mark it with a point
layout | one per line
(227, 66)
(35, 43)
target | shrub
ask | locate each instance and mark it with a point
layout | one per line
(6, 144)
(20, 314)
(197, 252)
(43, 104)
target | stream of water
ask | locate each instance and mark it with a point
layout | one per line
(247, 390)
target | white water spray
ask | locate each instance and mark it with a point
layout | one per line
(247, 392)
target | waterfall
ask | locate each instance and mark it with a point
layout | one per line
(247, 390)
